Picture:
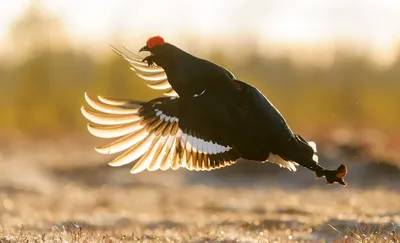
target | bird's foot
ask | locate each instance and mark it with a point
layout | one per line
(150, 60)
(333, 176)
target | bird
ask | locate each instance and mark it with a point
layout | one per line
(206, 119)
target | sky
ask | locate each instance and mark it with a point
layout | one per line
(288, 25)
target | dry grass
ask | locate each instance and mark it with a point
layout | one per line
(155, 213)
(49, 196)
(367, 235)
(81, 235)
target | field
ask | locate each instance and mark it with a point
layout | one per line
(64, 192)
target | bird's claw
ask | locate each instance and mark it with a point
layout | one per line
(149, 60)
(333, 176)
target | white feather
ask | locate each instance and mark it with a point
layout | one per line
(160, 86)
(113, 131)
(113, 101)
(147, 158)
(154, 77)
(165, 143)
(108, 119)
(200, 143)
(171, 93)
(133, 153)
(148, 70)
(210, 147)
(313, 145)
(214, 148)
(109, 108)
(189, 142)
(167, 164)
(273, 158)
(194, 144)
(123, 143)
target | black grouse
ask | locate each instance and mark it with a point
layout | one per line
(207, 119)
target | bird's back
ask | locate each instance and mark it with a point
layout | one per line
(190, 76)
(264, 128)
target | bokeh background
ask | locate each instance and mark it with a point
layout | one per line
(331, 67)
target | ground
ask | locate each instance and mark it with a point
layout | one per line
(65, 192)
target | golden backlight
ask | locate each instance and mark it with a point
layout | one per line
(294, 26)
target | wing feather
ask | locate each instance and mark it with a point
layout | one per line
(110, 109)
(119, 102)
(123, 143)
(154, 75)
(160, 153)
(150, 133)
(145, 160)
(133, 153)
(108, 119)
(170, 93)
(160, 86)
(114, 131)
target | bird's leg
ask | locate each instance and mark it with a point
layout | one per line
(150, 60)
(331, 176)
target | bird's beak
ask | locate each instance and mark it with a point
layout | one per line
(144, 48)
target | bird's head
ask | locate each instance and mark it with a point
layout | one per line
(154, 45)
(161, 51)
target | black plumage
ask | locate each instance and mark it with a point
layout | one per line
(207, 120)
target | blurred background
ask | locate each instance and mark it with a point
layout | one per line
(331, 67)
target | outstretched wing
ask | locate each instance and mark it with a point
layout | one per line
(155, 76)
(151, 132)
